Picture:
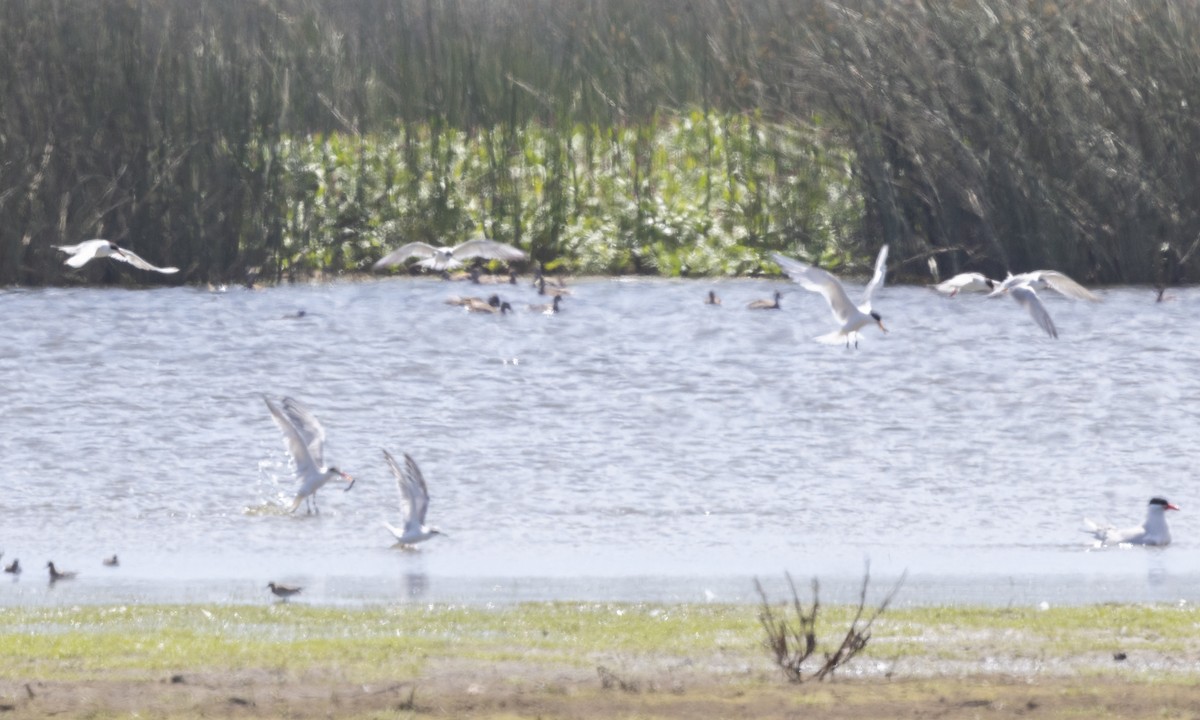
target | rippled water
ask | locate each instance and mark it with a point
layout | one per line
(641, 445)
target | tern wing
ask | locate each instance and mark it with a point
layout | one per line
(308, 426)
(1065, 285)
(1110, 535)
(1029, 300)
(296, 443)
(819, 281)
(876, 279)
(489, 249)
(82, 252)
(414, 497)
(136, 260)
(404, 252)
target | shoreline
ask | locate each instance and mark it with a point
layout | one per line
(367, 587)
(585, 660)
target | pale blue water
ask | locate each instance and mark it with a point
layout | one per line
(639, 446)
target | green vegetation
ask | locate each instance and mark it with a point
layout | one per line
(382, 642)
(703, 195)
(303, 136)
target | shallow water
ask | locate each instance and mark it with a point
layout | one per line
(639, 446)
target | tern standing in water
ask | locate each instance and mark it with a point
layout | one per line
(305, 440)
(851, 317)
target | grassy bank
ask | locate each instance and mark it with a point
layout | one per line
(583, 660)
(388, 642)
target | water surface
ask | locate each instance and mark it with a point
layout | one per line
(639, 446)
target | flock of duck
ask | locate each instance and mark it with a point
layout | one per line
(304, 437)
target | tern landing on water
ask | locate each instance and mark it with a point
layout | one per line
(852, 318)
(305, 440)
(1153, 531)
(1023, 289)
(414, 502)
(438, 259)
(85, 251)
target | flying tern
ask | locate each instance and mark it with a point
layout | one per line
(305, 440)
(88, 249)
(1053, 279)
(1023, 289)
(414, 501)
(852, 318)
(1153, 531)
(439, 259)
(966, 282)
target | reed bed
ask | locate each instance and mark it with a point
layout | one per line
(288, 136)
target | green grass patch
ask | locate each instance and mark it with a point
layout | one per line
(81, 642)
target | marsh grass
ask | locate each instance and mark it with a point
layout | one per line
(1004, 135)
(390, 642)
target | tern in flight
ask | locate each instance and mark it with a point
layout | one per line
(414, 501)
(88, 249)
(1023, 289)
(305, 440)
(852, 318)
(1053, 279)
(1153, 531)
(966, 282)
(439, 259)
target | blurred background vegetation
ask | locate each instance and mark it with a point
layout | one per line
(277, 138)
